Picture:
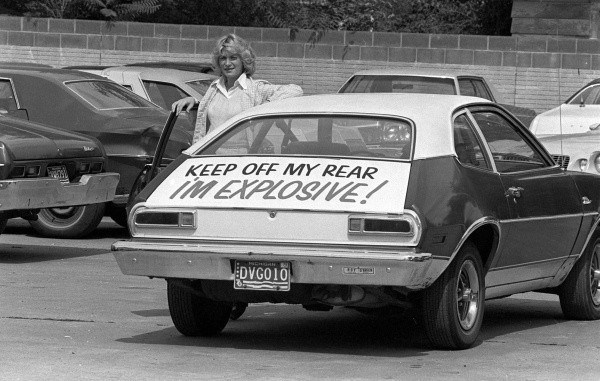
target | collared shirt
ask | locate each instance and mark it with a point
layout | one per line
(227, 103)
(256, 92)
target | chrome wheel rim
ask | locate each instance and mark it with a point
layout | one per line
(595, 276)
(467, 295)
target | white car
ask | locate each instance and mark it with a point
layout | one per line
(571, 131)
(431, 81)
(160, 85)
(579, 114)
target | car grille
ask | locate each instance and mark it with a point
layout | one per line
(562, 160)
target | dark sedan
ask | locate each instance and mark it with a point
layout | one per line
(127, 125)
(461, 204)
(42, 166)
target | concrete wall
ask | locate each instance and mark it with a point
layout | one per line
(530, 71)
(567, 18)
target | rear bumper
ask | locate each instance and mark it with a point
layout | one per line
(46, 192)
(310, 265)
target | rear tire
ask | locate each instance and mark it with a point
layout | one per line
(580, 292)
(68, 222)
(453, 306)
(3, 221)
(194, 315)
(118, 214)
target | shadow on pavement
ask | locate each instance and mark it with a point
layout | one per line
(11, 253)
(106, 229)
(344, 331)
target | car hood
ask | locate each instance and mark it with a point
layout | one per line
(31, 141)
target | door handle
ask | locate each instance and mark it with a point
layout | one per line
(514, 192)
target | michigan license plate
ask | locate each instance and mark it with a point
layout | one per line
(59, 172)
(259, 275)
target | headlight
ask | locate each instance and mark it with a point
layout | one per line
(597, 163)
(396, 132)
(594, 126)
(583, 164)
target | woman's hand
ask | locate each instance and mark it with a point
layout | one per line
(184, 104)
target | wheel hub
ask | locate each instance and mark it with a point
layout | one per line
(595, 276)
(467, 292)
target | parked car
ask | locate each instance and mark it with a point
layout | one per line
(158, 85)
(431, 81)
(127, 125)
(463, 205)
(43, 167)
(579, 114)
(198, 67)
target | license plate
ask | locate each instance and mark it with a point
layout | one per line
(262, 275)
(59, 172)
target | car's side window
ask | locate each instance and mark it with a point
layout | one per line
(481, 90)
(468, 149)
(474, 88)
(511, 152)
(589, 96)
(7, 97)
(163, 94)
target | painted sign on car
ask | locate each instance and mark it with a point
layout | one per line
(286, 183)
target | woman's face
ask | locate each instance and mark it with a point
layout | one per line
(231, 65)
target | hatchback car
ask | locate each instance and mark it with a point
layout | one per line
(431, 81)
(462, 205)
(127, 125)
(43, 167)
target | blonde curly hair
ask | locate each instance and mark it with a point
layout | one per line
(240, 47)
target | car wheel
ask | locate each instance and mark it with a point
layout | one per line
(238, 310)
(3, 221)
(68, 222)
(118, 214)
(453, 306)
(580, 292)
(194, 315)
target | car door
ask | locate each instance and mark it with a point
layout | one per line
(545, 208)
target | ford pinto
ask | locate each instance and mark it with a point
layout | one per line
(367, 201)
(43, 167)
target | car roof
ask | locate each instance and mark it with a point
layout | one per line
(51, 74)
(431, 114)
(422, 72)
(155, 73)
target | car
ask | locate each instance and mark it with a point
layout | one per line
(43, 167)
(198, 67)
(127, 125)
(159, 85)
(430, 81)
(578, 114)
(464, 204)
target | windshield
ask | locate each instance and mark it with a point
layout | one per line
(399, 84)
(320, 135)
(200, 85)
(105, 95)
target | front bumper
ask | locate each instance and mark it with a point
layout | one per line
(16, 194)
(310, 265)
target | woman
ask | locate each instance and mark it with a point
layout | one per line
(235, 90)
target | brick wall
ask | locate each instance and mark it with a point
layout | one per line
(555, 17)
(530, 71)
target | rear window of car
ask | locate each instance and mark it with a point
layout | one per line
(200, 85)
(338, 136)
(105, 95)
(399, 84)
